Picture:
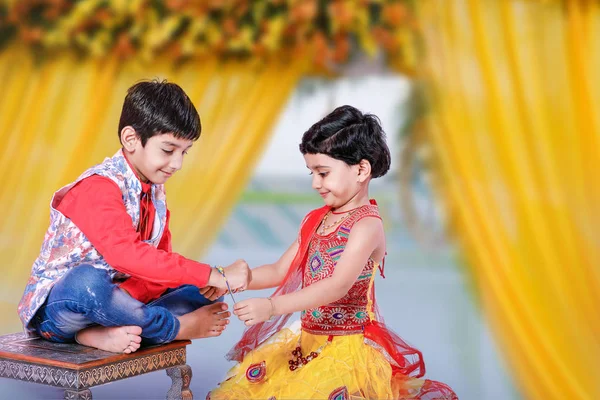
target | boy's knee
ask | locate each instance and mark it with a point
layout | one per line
(86, 279)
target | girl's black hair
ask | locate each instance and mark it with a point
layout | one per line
(348, 135)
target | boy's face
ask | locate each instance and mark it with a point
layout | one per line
(159, 159)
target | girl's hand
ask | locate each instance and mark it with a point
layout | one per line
(212, 293)
(254, 311)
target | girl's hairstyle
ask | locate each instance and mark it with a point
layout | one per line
(348, 135)
(156, 107)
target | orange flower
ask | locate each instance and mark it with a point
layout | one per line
(229, 27)
(103, 15)
(342, 48)
(394, 13)
(241, 9)
(52, 13)
(322, 52)
(31, 35)
(174, 50)
(124, 48)
(385, 38)
(258, 49)
(342, 12)
(304, 11)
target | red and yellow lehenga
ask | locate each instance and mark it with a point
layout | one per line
(338, 351)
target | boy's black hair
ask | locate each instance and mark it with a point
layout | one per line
(348, 135)
(155, 107)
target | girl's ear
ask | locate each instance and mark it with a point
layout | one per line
(129, 138)
(364, 170)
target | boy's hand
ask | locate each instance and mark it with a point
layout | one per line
(238, 275)
(212, 293)
(254, 311)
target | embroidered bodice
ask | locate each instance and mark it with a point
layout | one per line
(349, 314)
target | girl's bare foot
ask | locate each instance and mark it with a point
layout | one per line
(116, 339)
(207, 321)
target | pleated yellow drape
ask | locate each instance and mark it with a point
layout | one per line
(514, 124)
(61, 117)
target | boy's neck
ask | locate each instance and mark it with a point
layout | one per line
(143, 180)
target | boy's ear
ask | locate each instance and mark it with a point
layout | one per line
(129, 138)
(364, 170)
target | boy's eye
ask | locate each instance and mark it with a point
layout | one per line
(323, 174)
(168, 151)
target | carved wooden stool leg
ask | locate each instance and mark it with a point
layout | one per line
(180, 388)
(84, 394)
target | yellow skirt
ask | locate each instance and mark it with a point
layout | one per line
(346, 368)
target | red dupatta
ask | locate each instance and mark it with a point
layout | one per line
(257, 334)
(406, 359)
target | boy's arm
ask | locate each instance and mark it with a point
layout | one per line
(263, 277)
(96, 207)
(366, 236)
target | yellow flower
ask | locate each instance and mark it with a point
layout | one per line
(272, 36)
(213, 34)
(243, 41)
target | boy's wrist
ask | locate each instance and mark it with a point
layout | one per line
(216, 279)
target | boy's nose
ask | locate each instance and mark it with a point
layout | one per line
(176, 163)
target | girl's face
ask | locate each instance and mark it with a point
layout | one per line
(336, 182)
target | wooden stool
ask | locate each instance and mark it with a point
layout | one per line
(77, 368)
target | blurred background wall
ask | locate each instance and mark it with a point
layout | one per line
(491, 111)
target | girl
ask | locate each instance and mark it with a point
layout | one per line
(340, 349)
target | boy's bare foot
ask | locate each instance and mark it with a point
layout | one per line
(116, 339)
(207, 321)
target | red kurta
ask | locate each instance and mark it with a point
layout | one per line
(96, 207)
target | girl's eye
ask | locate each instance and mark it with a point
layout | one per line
(168, 151)
(323, 174)
(185, 152)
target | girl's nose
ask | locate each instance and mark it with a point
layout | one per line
(316, 182)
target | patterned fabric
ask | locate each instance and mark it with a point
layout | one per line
(340, 393)
(359, 358)
(66, 247)
(347, 362)
(349, 314)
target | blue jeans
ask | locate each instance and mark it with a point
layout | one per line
(86, 296)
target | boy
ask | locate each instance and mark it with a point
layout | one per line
(106, 276)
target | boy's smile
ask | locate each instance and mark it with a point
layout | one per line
(159, 159)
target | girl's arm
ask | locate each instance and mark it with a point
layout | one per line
(263, 277)
(271, 275)
(365, 239)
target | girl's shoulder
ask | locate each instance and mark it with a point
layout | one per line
(370, 210)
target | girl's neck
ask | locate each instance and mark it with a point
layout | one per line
(358, 200)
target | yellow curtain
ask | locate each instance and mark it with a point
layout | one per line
(61, 116)
(514, 124)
